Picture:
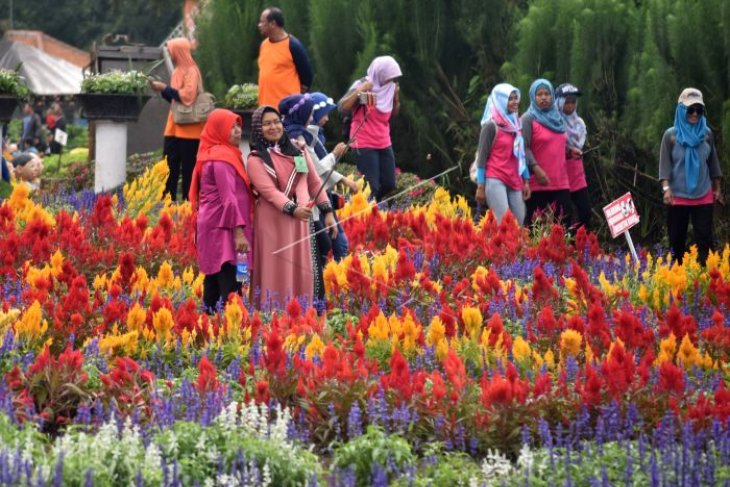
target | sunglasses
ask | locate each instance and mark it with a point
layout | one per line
(699, 110)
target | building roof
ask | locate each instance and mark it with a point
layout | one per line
(50, 45)
(44, 74)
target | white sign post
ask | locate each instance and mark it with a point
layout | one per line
(621, 215)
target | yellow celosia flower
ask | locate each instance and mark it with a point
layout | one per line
(442, 349)
(379, 329)
(141, 280)
(136, 318)
(165, 276)
(234, 314)
(31, 325)
(163, 323)
(115, 343)
(315, 347)
(57, 263)
(411, 332)
(436, 332)
(570, 342)
(549, 359)
(473, 320)
(188, 276)
(668, 346)
(521, 349)
(688, 354)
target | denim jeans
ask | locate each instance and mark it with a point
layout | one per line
(378, 167)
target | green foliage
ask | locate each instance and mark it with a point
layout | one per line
(82, 22)
(245, 95)
(11, 83)
(116, 82)
(373, 449)
(453, 468)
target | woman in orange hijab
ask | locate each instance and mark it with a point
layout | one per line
(181, 141)
(221, 192)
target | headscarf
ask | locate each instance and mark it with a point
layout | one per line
(181, 52)
(690, 136)
(295, 111)
(550, 117)
(496, 110)
(215, 145)
(322, 106)
(260, 146)
(575, 127)
(381, 70)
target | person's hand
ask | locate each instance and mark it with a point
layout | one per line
(340, 150)
(481, 196)
(350, 184)
(526, 190)
(157, 85)
(240, 241)
(574, 153)
(540, 175)
(719, 198)
(303, 213)
(668, 197)
(331, 224)
(299, 143)
(365, 86)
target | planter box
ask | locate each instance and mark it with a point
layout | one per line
(114, 107)
(245, 114)
(8, 104)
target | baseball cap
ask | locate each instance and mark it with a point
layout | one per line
(566, 89)
(691, 96)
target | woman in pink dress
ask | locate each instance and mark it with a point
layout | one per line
(285, 255)
(221, 191)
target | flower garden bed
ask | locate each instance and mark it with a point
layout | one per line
(451, 351)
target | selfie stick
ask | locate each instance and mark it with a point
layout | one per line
(332, 169)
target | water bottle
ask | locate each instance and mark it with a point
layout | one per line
(242, 267)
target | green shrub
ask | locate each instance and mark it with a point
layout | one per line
(373, 449)
(242, 96)
(11, 83)
(117, 82)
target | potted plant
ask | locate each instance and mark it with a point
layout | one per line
(12, 89)
(243, 99)
(117, 95)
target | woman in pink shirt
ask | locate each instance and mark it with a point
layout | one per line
(502, 175)
(545, 140)
(221, 191)
(372, 101)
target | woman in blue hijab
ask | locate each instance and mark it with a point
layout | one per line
(544, 131)
(690, 175)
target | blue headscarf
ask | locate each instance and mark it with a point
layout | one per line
(295, 112)
(690, 136)
(549, 117)
(496, 110)
(322, 106)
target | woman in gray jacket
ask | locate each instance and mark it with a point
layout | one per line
(690, 175)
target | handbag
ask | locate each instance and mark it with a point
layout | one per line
(197, 112)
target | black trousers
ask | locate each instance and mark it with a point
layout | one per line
(181, 155)
(678, 218)
(582, 204)
(559, 200)
(218, 286)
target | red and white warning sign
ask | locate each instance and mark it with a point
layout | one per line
(621, 215)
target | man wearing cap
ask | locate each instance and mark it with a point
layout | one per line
(566, 101)
(284, 67)
(690, 176)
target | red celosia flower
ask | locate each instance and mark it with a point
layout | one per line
(207, 377)
(671, 379)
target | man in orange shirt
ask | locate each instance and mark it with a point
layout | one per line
(284, 67)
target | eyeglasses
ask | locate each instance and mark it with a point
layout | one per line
(699, 110)
(271, 123)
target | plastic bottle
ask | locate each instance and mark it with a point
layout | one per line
(242, 266)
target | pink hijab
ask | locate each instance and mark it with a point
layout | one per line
(380, 71)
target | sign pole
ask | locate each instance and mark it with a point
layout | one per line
(627, 234)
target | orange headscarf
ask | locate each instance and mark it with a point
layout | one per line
(215, 145)
(181, 52)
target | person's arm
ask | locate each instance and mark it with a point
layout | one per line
(665, 166)
(314, 182)
(527, 137)
(264, 184)
(396, 100)
(301, 62)
(225, 181)
(188, 92)
(715, 171)
(486, 137)
(350, 100)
